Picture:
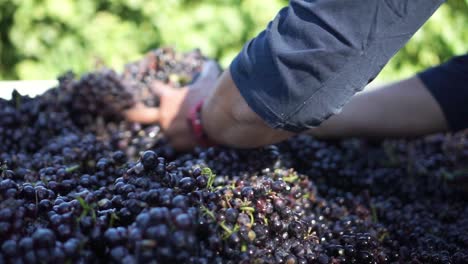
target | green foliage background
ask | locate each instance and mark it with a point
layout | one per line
(39, 39)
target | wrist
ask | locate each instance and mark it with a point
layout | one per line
(214, 121)
(228, 120)
(197, 125)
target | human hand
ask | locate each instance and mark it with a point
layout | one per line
(175, 105)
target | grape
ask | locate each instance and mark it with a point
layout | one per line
(79, 184)
(149, 160)
(187, 184)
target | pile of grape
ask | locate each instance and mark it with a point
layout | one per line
(78, 184)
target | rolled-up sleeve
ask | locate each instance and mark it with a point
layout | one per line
(315, 55)
(448, 84)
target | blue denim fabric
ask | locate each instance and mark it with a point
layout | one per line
(448, 83)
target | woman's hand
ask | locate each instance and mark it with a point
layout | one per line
(225, 115)
(175, 105)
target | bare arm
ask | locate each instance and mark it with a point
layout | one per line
(404, 108)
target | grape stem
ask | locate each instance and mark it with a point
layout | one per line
(211, 176)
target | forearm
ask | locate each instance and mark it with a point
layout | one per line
(228, 120)
(405, 108)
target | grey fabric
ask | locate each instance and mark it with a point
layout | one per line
(315, 55)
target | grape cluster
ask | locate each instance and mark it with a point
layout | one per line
(164, 65)
(105, 94)
(80, 185)
(416, 189)
(27, 124)
(102, 93)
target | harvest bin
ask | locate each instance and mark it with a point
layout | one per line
(79, 184)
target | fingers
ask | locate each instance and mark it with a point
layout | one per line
(143, 114)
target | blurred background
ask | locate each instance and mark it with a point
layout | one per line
(39, 39)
